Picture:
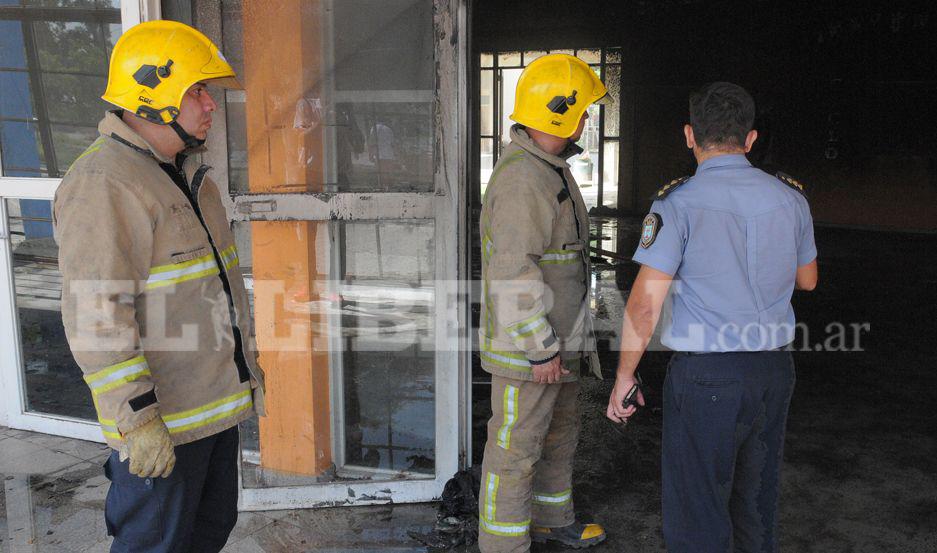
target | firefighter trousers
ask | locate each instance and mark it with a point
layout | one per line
(528, 466)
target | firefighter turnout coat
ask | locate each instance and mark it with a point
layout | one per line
(535, 264)
(153, 301)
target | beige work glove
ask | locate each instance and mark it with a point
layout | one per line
(149, 449)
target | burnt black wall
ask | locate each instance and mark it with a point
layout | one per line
(846, 91)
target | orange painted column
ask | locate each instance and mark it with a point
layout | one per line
(282, 65)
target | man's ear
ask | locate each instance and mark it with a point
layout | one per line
(750, 140)
(690, 139)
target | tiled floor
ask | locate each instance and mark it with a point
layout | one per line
(52, 500)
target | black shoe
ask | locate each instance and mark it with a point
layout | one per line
(575, 535)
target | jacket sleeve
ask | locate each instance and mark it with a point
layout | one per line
(105, 238)
(519, 228)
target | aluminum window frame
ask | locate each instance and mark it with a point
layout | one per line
(13, 402)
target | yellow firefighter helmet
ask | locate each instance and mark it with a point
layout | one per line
(554, 91)
(156, 62)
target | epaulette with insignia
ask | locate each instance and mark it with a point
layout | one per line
(669, 187)
(792, 182)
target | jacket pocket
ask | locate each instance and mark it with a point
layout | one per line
(190, 254)
(182, 216)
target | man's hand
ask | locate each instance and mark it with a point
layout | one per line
(616, 410)
(150, 450)
(550, 372)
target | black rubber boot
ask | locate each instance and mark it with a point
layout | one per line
(575, 535)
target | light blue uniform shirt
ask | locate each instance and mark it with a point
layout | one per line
(732, 236)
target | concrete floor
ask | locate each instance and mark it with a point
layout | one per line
(859, 466)
(52, 501)
(859, 476)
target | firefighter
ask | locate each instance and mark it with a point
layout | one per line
(536, 329)
(154, 304)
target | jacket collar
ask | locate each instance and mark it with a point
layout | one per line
(113, 125)
(725, 160)
(520, 137)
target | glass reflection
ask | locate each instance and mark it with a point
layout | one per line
(367, 310)
(333, 118)
(54, 383)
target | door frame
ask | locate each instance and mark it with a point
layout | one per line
(445, 206)
(12, 377)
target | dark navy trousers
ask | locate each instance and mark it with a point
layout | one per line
(724, 422)
(193, 510)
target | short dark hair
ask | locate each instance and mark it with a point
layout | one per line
(721, 114)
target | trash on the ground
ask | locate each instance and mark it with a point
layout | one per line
(457, 519)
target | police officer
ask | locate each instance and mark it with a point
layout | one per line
(731, 244)
(535, 322)
(147, 255)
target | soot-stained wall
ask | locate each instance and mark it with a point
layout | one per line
(846, 91)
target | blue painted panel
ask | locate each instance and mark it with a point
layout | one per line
(14, 95)
(38, 209)
(19, 146)
(12, 52)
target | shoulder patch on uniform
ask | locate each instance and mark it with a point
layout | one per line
(649, 229)
(669, 187)
(791, 181)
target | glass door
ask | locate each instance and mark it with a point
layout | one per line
(53, 64)
(343, 164)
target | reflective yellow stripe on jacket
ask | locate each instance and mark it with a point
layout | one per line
(506, 359)
(487, 247)
(109, 429)
(560, 257)
(94, 147)
(528, 327)
(207, 414)
(174, 273)
(117, 375)
(193, 418)
(229, 256)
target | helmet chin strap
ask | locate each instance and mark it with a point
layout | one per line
(189, 140)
